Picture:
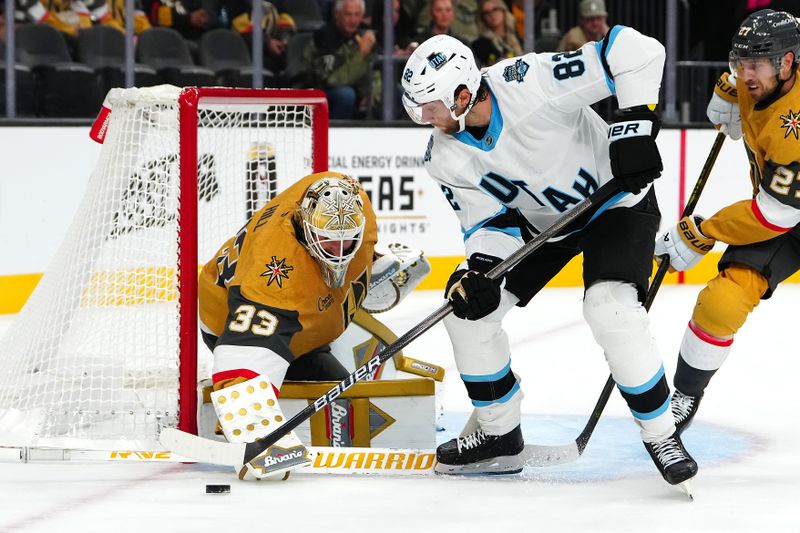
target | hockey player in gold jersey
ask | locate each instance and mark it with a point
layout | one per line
(760, 99)
(273, 297)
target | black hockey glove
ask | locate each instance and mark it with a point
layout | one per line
(471, 293)
(635, 160)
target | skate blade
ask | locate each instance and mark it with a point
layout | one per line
(686, 488)
(496, 466)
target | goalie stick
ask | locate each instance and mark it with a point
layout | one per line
(575, 449)
(207, 451)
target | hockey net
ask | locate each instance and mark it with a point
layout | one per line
(105, 349)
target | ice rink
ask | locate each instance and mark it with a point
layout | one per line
(745, 440)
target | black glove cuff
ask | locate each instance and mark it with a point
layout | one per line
(634, 114)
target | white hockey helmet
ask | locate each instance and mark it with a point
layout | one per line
(332, 215)
(434, 71)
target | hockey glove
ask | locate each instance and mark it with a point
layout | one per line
(472, 294)
(685, 244)
(635, 160)
(723, 109)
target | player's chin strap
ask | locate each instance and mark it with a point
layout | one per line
(462, 118)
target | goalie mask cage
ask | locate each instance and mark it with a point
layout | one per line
(105, 350)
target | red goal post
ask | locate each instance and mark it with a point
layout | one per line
(105, 350)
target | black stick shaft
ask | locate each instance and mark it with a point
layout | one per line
(583, 438)
(602, 195)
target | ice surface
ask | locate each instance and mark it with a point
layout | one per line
(745, 440)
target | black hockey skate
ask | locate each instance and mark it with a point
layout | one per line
(672, 459)
(479, 453)
(684, 407)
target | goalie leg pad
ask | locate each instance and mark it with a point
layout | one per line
(483, 357)
(248, 411)
(620, 325)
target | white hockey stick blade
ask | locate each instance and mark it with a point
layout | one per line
(209, 451)
(541, 456)
(201, 449)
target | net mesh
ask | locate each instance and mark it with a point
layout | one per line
(93, 359)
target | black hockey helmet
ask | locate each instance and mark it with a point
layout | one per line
(768, 34)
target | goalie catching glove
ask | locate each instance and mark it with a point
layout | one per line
(685, 244)
(472, 294)
(635, 160)
(396, 271)
(248, 411)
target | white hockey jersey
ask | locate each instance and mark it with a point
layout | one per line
(544, 150)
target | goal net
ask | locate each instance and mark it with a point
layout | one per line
(105, 349)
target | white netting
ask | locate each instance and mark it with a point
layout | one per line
(93, 358)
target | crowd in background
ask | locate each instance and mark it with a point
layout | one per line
(336, 45)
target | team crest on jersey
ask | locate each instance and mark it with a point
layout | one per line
(277, 271)
(516, 71)
(791, 121)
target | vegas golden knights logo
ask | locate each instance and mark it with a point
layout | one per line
(356, 294)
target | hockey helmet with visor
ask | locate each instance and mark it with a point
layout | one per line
(763, 39)
(432, 74)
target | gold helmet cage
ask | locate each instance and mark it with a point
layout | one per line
(332, 214)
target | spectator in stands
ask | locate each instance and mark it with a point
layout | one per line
(465, 22)
(2, 24)
(67, 16)
(278, 26)
(188, 17)
(442, 14)
(339, 58)
(498, 38)
(112, 13)
(592, 26)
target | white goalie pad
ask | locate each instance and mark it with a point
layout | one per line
(396, 407)
(395, 273)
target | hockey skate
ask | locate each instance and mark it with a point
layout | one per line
(673, 461)
(479, 453)
(684, 407)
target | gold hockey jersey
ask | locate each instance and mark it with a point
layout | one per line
(772, 140)
(264, 289)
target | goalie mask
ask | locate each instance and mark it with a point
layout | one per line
(332, 216)
(434, 71)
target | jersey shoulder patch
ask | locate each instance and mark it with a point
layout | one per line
(516, 71)
(790, 122)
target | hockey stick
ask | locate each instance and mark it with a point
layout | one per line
(577, 448)
(206, 451)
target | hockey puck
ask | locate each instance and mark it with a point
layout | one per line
(218, 489)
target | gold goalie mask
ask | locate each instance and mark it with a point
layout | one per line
(332, 214)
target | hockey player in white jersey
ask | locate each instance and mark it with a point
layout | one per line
(514, 148)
